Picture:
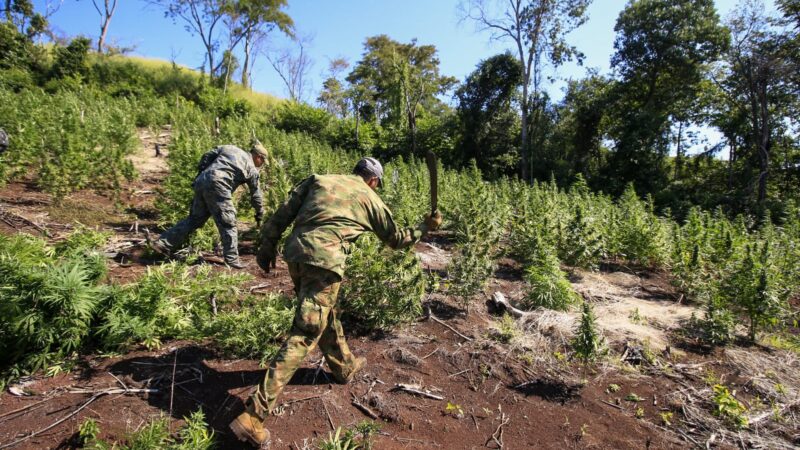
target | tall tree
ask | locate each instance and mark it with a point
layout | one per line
(662, 53)
(403, 80)
(488, 120)
(759, 82)
(293, 64)
(202, 18)
(255, 20)
(106, 12)
(333, 96)
(538, 30)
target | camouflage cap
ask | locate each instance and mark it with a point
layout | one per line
(257, 148)
(370, 167)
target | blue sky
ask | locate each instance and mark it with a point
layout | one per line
(339, 29)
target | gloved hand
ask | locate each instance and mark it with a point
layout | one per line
(433, 221)
(267, 257)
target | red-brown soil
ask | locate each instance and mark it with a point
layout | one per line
(492, 387)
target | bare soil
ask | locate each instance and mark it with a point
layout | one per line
(511, 395)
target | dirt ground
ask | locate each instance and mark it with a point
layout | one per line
(515, 395)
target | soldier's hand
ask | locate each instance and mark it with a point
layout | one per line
(433, 221)
(267, 257)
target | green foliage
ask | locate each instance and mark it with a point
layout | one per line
(727, 407)
(170, 301)
(255, 329)
(88, 431)
(48, 304)
(490, 126)
(72, 60)
(68, 141)
(588, 342)
(749, 286)
(195, 435)
(479, 220)
(638, 235)
(383, 288)
(356, 438)
(547, 283)
(582, 245)
(338, 441)
(506, 330)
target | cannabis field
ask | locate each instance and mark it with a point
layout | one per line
(538, 317)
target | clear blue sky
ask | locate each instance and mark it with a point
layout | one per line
(339, 29)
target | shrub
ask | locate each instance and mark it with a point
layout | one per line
(255, 330)
(749, 288)
(547, 283)
(49, 301)
(170, 301)
(587, 343)
(728, 408)
(383, 288)
(195, 435)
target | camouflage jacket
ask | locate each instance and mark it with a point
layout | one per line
(329, 213)
(232, 167)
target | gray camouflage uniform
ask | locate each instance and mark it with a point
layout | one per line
(221, 171)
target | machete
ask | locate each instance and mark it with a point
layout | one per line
(433, 169)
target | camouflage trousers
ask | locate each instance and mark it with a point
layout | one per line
(316, 322)
(211, 199)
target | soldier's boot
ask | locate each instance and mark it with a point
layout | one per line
(249, 427)
(348, 374)
(156, 245)
(236, 264)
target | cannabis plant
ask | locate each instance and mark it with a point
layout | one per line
(383, 288)
(588, 342)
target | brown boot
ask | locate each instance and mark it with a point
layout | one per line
(348, 375)
(248, 427)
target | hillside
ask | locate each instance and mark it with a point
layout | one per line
(502, 382)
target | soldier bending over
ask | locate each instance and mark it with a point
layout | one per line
(329, 213)
(220, 172)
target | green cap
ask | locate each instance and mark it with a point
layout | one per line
(257, 148)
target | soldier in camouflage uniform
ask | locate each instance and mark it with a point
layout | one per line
(329, 213)
(220, 172)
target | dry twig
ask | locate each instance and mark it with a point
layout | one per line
(95, 396)
(417, 390)
(437, 320)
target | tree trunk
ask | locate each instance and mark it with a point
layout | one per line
(246, 63)
(679, 152)
(523, 148)
(412, 126)
(764, 144)
(731, 159)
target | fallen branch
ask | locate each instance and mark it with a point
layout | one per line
(9, 216)
(500, 300)
(304, 399)
(613, 405)
(435, 319)
(363, 408)
(330, 421)
(259, 287)
(497, 436)
(417, 390)
(83, 406)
